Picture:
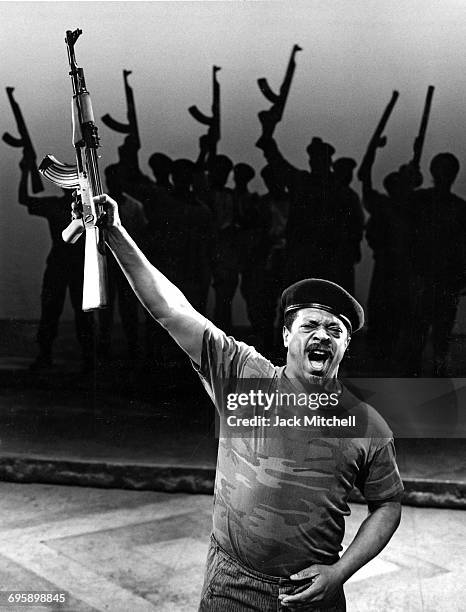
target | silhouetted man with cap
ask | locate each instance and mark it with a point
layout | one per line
(437, 268)
(277, 204)
(281, 492)
(312, 210)
(161, 166)
(159, 192)
(252, 245)
(219, 198)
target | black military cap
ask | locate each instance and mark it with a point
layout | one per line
(344, 163)
(244, 171)
(323, 294)
(320, 148)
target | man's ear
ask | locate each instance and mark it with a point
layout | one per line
(348, 340)
(286, 335)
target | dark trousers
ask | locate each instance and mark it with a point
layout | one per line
(231, 587)
(63, 273)
(387, 308)
(432, 306)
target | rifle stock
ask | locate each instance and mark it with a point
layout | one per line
(85, 177)
(23, 141)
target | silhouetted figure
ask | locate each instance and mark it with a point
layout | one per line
(349, 222)
(219, 199)
(158, 193)
(181, 244)
(311, 240)
(253, 222)
(161, 166)
(198, 240)
(277, 203)
(437, 266)
(133, 219)
(387, 233)
(133, 182)
(63, 271)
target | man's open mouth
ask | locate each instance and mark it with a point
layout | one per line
(318, 359)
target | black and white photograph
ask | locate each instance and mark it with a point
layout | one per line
(233, 306)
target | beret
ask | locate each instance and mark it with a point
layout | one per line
(244, 170)
(345, 162)
(328, 296)
(319, 147)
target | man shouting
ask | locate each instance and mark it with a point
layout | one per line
(281, 496)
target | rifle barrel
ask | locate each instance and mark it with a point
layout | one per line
(420, 138)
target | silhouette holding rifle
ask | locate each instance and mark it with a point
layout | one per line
(312, 210)
(275, 113)
(24, 142)
(388, 233)
(63, 272)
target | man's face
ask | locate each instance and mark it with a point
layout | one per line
(316, 344)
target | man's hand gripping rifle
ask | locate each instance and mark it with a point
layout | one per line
(85, 178)
(270, 118)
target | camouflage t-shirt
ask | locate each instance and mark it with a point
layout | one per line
(280, 500)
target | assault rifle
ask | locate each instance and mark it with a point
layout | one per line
(419, 140)
(130, 128)
(23, 141)
(378, 139)
(213, 122)
(271, 117)
(86, 179)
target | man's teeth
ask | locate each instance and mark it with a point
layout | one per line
(318, 359)
(317, 354)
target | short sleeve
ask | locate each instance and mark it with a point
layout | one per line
(224, 360)
(379, 479)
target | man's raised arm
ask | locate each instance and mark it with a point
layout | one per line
(165, 302)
